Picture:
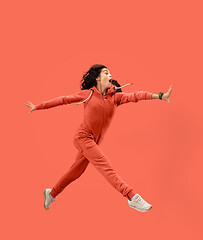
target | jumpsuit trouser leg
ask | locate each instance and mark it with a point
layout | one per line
(89, 151)
(74, 172)
(94, 154)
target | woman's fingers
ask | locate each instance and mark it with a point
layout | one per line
(32, 106)
(170, 89)
(169, 92)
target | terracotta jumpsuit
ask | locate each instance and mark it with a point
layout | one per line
(98, 112)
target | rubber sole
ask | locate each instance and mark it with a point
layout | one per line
(45, 191)
(138, 209)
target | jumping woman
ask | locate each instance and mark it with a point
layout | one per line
(100, 95)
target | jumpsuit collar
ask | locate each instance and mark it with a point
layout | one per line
(109, 90)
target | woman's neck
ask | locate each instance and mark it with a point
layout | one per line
(99, 87)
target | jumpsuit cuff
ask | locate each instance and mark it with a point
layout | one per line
(53, 193)
(130, 194)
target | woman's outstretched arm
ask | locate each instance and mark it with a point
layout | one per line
(122, 98)
(76, 97)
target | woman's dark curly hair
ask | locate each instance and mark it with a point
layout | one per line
(89, 78)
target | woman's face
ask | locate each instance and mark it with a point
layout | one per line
(104, 78)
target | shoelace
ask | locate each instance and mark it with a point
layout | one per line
(139, 199)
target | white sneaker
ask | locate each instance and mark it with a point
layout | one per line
(138, 203)
(48, 199)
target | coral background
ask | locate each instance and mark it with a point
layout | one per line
(156, 147)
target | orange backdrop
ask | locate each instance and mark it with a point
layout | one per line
(46, 46)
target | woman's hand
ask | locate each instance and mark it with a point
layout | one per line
(32, 106)
(166, 95)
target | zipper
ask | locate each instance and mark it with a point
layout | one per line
(103, 119)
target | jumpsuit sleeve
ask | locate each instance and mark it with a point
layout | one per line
(121, 97)
(76, 97)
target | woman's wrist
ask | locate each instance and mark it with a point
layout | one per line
(155, 96)
(158, 96)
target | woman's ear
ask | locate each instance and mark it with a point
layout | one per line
(97, 79)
